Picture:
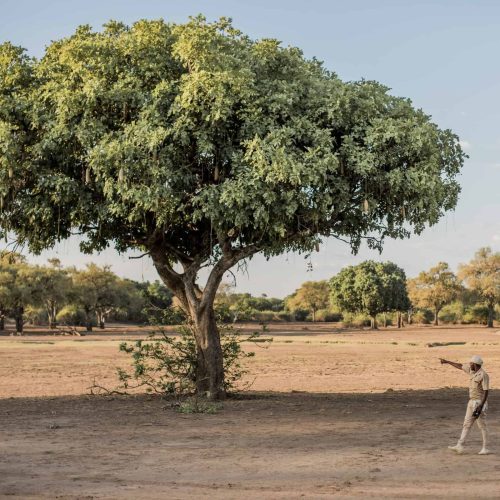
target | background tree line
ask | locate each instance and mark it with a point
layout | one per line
(364, 295)
(52, 295)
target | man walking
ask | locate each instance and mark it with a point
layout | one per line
(479, 385)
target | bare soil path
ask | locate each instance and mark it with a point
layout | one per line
(376, 420)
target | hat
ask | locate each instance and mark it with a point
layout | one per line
(477, 360)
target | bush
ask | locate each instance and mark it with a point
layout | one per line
(300, 314)
(71, 315)
(452, 313)
(167, 365)
(328, 316)
(476, 314)
(353, 320)
(35, 315)
(423, 316)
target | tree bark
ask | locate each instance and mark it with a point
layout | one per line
(436, 316)
(374, 325)
(2, 322)
(491, 313)
(210, 366)
(88, 321)
(100, 320)
(197, 304)
(19, 312)
(400, 319)
(385, 320)
(314, 315)
(52, 313)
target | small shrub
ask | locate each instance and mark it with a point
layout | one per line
(71, 315)
(196, 405)
(35, 315)
(476, 314)
(167, 365)
(423, 316)
(452, 313)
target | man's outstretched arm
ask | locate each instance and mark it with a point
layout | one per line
(459, 366)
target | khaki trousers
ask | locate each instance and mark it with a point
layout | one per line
(469, 421)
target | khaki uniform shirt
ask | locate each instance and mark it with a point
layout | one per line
(478, 382)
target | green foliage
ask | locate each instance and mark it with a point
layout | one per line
(482, 276)
(370, 288)
(311, 296)
(434, 288)
(452, 313)
(234, 307)
(196, 405)
(423, 316)
(99, 291)
(198, 133)
(35, 315)
(168, 365)
(71, 315)
(478, 313)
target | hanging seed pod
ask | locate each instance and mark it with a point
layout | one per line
(121, 175)
(87, 176)
(366, 206)
(216, 174)
(11, 173)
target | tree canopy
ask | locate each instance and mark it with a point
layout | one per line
(434, 288)
(370, 287)
(200, 146)
(311, 296)
(482, 276)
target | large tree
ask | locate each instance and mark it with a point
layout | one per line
(482, 276)
(434, 288)
(201, 147)
(371, 288)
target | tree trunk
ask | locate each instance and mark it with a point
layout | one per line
(373, 322)
(400, 319)
(410, 316)
(51, 313)
(210, 365)
(491, 313)
(2, 322)
(385, 320)
(436, 316)
(19, 312)
(314, 315)
(100, 320)
(88, 321)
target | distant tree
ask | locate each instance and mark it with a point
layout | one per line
(17, 291)
(201, 147)
(7, 281)
(371, 288)
(52, 288)
(157, 305)
(482, 276)
(98, 291)
(311, 296)
(434, 289)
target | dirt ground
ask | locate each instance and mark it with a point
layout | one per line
(330, 413)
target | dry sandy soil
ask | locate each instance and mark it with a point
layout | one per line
(331, 413)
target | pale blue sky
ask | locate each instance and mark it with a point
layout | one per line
(443, 54)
